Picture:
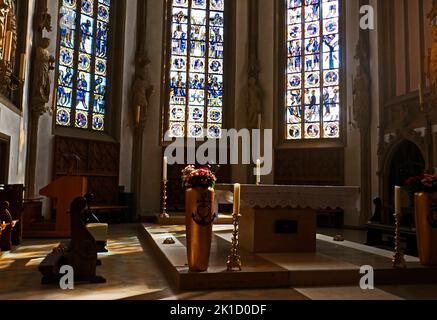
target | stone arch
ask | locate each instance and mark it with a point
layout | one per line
(404, 157)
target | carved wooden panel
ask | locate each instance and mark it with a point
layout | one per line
(97, 160)
(309, 166)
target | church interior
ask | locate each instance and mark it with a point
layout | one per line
(218, 150)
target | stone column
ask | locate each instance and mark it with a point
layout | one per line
(42, 64)
(142, 90)
(254, 106)
(362, 116)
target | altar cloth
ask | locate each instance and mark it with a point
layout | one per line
(313, 197)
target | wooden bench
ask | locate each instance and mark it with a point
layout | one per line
(50, 266)
(376, 232)
(13, 194)
(8, 226)
(80, 253)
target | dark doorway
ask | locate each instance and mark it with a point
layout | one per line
(4, 158)
(407, 161)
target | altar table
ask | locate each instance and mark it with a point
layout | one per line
(283, 218)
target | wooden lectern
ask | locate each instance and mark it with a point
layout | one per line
(62, 191)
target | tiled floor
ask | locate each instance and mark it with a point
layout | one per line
(133, 273)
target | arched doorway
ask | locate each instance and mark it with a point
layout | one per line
(407, 161)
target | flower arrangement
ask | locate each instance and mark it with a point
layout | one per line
(421, 183)
(198, 178)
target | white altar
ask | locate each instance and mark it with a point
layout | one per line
(279, 219)
(315, 197)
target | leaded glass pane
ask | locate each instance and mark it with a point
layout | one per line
(196, 68)
(82, 69)
(313, 106)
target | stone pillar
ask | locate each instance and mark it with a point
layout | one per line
(254, 105)
(362, 116)
(42, 64)
(142, 90)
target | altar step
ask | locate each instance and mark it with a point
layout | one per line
(179, 220)
(335, 264)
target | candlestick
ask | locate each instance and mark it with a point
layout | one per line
(233, 261)
(258, 172)
(164, 214)
(398, 258)
(259, 121)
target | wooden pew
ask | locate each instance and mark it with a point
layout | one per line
(80, 253)
(9, 225)
(63, 191)
(3, 229)
(376, 230)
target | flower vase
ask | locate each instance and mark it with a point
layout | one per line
(426, 225)
(199, 216)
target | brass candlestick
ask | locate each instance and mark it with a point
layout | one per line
(234, 260)
(164, 214)
(398, 259)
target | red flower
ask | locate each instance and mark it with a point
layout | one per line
(421, 183)
(201, 177)
(413, 180)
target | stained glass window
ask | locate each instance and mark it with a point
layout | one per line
(196, 68)
(81, 100)
(313, 70)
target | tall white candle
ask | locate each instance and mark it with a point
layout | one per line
(398, 201)
(258, 171)
(164, 169)
(237, 198)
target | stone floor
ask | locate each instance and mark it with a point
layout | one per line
(132, 273)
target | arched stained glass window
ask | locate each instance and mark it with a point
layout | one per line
(195, 74)
(81, 100)
(313, 109)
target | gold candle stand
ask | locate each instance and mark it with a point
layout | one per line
(398, 259)
(164, 214)
(234, 260)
